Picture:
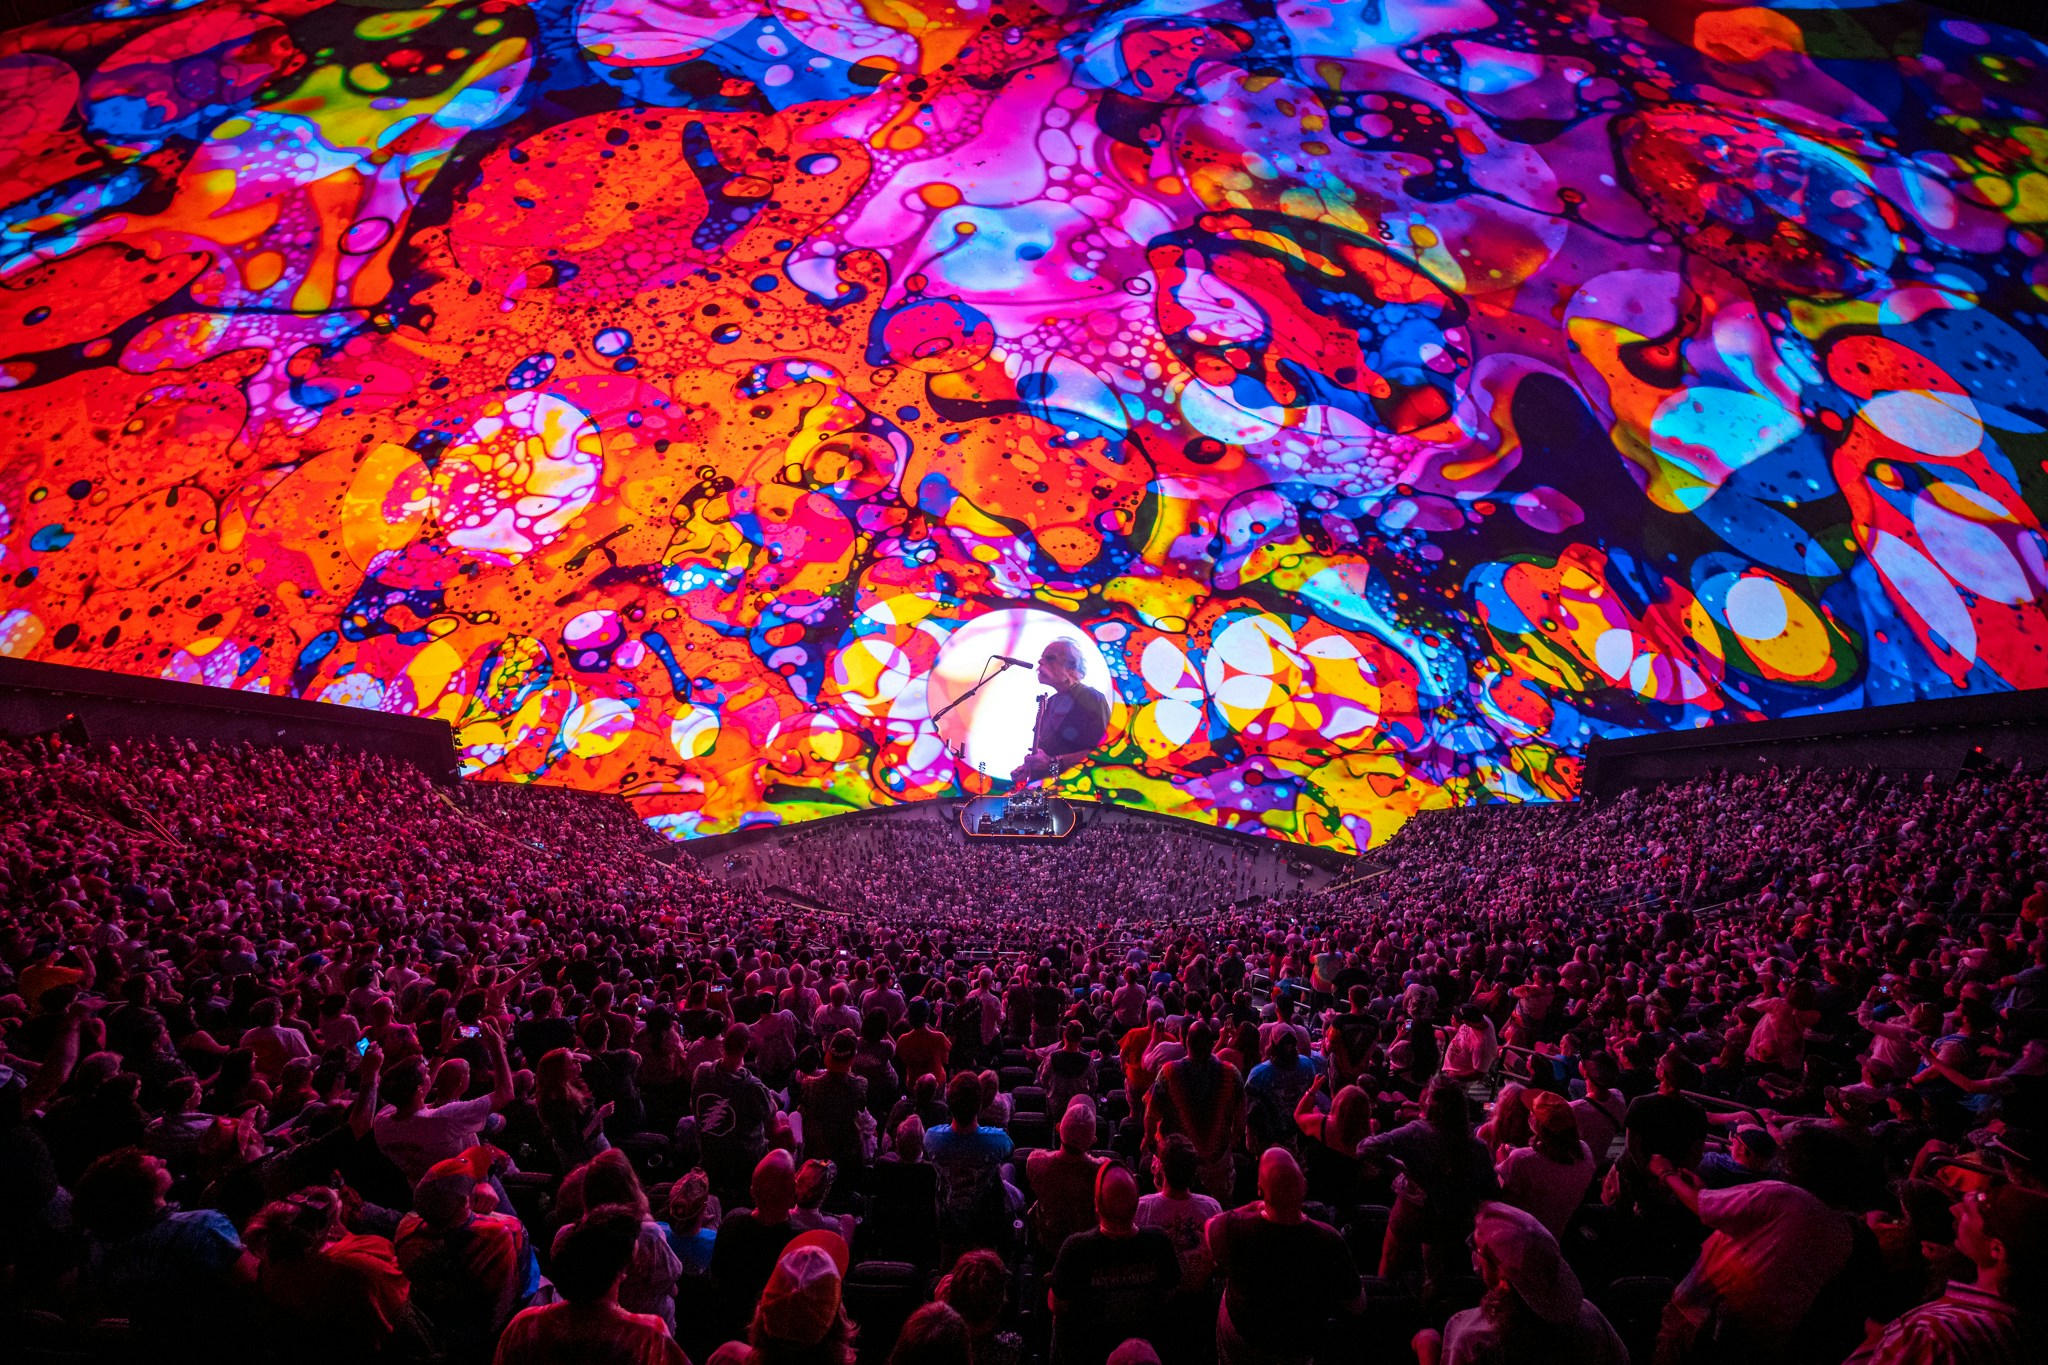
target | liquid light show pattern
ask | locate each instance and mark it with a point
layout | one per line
(1398, 393)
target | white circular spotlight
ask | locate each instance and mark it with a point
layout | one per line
(993, 728)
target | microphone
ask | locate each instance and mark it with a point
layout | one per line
(1017, 663)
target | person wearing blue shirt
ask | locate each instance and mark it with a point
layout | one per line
(170, 1272)
(1752, 1155)
(1274, 1088)
(691, 1241)
(973, 1203)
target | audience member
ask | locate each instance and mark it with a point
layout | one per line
(587, 1322)
(1111, 1282)
(1534, 1309)
(1778, 1036)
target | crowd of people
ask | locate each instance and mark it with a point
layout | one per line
(305, 1056)
(917, 869)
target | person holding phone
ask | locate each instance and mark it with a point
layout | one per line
(415, 1134)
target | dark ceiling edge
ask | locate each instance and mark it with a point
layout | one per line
(16, 14)
(2028, 16)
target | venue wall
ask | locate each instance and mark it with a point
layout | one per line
(1942, 737)
(38, 698)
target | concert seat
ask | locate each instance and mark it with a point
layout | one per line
(1027, 1099)
(1598, 1246)
(529, 1192)
(1031, 1130)
(652, 1157)
(1010, 1077)
(38, 1337)
(1365, 1232)
(879, 1296)
(903, 1214)
(1635, 1305)
(1383, 1331)
(1129, 1141)
(698, 1317)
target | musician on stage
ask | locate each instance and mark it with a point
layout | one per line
(1072, 719)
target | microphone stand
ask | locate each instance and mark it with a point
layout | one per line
(986, 679)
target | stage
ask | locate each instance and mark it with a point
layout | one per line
(1017, 815)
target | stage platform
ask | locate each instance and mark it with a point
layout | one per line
(1021, 815)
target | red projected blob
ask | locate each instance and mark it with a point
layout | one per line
(1780, 209)
(937, 336)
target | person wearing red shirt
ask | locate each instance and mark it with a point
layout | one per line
(588, 1326)
(468, 1269)
(922, 1050)
(344, 1287)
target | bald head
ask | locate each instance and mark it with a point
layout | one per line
(774, 1186)
(1281, 1186)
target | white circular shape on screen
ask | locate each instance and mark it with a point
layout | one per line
(1756, 608)
(1940, 424)
(994, 726)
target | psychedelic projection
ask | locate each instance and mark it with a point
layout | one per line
(1399, 393)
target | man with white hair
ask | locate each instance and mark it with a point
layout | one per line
(1071, 720)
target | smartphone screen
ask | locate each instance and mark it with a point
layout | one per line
(362, 1047)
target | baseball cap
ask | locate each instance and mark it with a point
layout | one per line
(444, 1192)
(1551, 1112)
(801, 1301)
(1758, 1140)
(1529, 1258)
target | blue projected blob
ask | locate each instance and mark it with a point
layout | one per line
(531, 372)
(726, 55)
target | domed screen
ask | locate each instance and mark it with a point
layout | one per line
(1383, 397)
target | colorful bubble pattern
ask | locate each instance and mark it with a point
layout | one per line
(1400, 392)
